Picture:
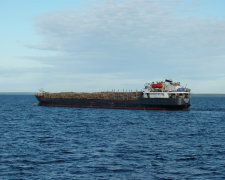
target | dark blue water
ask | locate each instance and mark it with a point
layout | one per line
(73, 143)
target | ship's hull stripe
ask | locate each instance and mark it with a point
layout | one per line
(114, 107)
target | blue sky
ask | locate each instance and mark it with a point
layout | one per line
(95, 45)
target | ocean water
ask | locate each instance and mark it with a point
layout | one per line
(74, 143)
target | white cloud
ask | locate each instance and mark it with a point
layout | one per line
(143, 39)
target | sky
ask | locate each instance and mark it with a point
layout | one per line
(99, 45)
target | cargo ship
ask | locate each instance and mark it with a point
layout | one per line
(162, 95)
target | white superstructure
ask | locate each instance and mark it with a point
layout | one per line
(165, 89)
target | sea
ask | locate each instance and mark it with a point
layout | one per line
(80, 143)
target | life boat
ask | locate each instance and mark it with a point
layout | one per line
(157, 85)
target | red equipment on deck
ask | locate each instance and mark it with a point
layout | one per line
(157, 85)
